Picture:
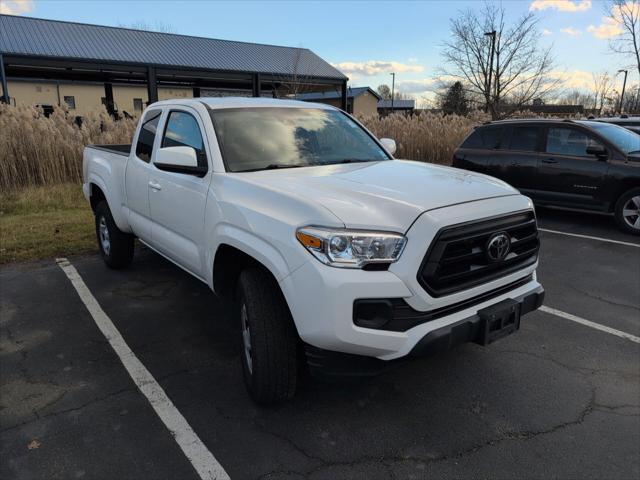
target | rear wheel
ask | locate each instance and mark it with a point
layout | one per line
(627, 211)
(269, 341)
(116, 246)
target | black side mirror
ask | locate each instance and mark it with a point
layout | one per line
(597, 151)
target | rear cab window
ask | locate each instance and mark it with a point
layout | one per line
(147, 135)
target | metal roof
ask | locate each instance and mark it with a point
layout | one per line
(335, 95)
(80, 41)
(397, 104)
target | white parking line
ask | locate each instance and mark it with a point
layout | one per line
(628, 244)
(200, 457)
(589, 323)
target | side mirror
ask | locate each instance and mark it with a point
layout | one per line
(179, 160)
(597, 151)
(389, 144)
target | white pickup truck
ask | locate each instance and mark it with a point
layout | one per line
(339, 258)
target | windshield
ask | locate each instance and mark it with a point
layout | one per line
(624, 139)
(263, 138)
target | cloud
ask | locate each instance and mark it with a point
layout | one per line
(574, 79)
(561, 5)
(546, 32)
(417, 86)
(612, 26)
(375, 67)
(571, 31)
(16, 7)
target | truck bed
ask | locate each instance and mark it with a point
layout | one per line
(122, 149)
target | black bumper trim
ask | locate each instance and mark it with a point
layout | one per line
(326, 363)
(468, 329)
(404, 318)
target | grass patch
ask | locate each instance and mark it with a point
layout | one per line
(45, 222)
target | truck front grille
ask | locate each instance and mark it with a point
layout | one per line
(460, 258)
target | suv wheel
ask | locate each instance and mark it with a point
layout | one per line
(116, 246)
(628, 211)
(269, 341)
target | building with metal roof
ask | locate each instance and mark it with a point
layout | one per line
(386, 107)
(42, 50)
(360, 100)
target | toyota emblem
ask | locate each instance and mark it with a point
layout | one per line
(498, 246)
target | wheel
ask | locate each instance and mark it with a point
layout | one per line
(116, 246)
(627, 211)
(269, 350)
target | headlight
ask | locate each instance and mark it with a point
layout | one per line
(351, 248)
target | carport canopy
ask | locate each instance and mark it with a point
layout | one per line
(32, 48)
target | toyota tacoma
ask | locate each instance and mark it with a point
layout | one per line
(338, 258)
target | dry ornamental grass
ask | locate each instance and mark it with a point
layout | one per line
(427, 137)
(36, 150)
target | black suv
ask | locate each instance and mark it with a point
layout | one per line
(576, 164)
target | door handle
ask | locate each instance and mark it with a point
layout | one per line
(549, 160)
(155, 185)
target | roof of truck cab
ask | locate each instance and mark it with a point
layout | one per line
(243, 102)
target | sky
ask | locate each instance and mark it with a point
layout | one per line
(366, 40)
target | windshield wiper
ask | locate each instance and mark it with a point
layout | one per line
(355, 160)
(275, 166)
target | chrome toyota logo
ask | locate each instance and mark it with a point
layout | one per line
(498, 246)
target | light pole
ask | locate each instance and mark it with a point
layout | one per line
(393, 87)
(492, 34)
(624, 84)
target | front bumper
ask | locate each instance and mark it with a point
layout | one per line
(328, 363)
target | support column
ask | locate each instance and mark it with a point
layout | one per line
(152, 85)
(109, 102)
(3, 81)
(343, 99)
(256, 84)
(196, 92)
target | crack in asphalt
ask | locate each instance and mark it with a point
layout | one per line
(389, 461)
(67, 410)
(603, 299)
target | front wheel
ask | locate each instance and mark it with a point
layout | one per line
(627, 211)
(116, 246)
(269, 340)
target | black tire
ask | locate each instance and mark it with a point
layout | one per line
(270, 367)
(118, 252)
(626, 200)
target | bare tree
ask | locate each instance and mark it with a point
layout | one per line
(577, 97)
(521, 70)
(602, 90)
(626, 15)
(292, 85)
(384, 91)
(155, 27)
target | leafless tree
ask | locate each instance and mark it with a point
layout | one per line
(577, 97)
(602, 90)
(626, 15)
(155, 27)
(521, 69)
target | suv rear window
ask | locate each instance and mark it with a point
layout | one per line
(487, 138)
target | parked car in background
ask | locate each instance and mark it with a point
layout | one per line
(577, 164)
(338, 257)
(630, 123)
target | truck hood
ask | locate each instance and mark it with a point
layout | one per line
(387, 195)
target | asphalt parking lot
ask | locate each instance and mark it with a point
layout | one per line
(559, 399)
